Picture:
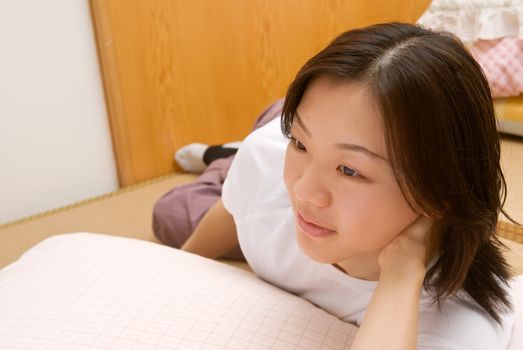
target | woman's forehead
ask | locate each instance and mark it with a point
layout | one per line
(343, 112)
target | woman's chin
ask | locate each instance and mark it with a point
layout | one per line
(313, 249)
(329, 250)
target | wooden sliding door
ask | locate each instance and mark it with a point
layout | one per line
(181, 71)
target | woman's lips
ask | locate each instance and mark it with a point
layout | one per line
(312, 229)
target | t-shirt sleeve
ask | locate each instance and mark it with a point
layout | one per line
(255, 177)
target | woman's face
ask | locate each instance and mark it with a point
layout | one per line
(347, 203)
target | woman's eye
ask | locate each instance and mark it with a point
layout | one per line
(348, 171)
(297, 144)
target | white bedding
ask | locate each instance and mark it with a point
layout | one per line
(91, 291)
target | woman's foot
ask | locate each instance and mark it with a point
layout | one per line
(190, 157)
(195, 157)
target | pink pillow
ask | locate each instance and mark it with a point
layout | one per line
(502, 62)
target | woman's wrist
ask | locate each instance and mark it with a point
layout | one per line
(413, 276)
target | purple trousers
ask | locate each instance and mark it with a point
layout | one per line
(177, 213)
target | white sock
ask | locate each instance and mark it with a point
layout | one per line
(190, 157)
(235, 144)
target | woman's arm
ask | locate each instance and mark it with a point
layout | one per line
(391, 320)
(215, 235)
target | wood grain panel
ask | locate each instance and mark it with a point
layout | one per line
(178, 71)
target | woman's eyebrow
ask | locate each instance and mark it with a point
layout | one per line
(345, 146)
(361, 149)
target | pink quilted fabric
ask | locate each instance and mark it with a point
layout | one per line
(502, 62)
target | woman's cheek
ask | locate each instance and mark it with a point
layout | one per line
(369, 218)
(290, 169)
(358, 210)
(392, 216)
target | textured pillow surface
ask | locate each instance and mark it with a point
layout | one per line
(91, 291)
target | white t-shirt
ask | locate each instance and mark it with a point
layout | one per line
(254, 193)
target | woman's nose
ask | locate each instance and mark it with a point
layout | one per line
(309, 188)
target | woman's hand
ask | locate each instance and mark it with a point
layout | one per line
(403, 265)
(406, 256)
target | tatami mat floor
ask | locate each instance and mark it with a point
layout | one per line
(512, 163)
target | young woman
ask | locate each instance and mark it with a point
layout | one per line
(379, 200)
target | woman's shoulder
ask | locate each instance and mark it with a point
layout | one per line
(267, 138)
(256, 174)
(261, 151)
(459, 323)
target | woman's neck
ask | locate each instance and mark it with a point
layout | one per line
(364, 267)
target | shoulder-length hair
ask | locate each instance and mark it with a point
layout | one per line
(442, 142)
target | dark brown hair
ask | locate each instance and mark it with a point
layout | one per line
(442, 142)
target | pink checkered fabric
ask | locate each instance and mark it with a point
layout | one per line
(502, 62)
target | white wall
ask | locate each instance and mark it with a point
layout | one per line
(55, 146)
